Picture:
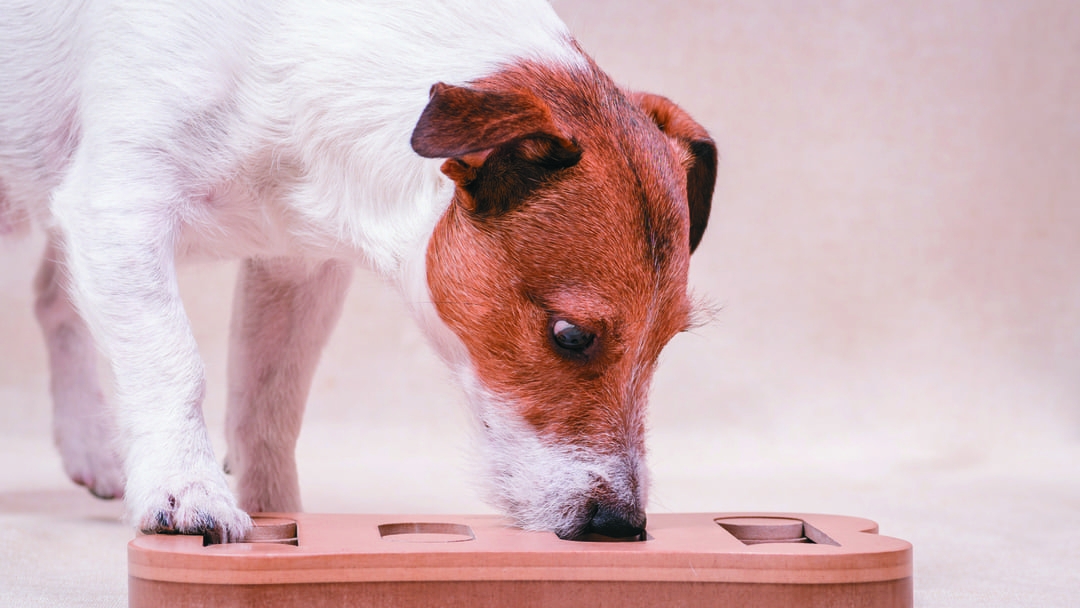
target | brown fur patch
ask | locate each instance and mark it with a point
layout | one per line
(602, 242)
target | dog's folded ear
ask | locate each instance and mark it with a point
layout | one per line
(499, 145)
(701, 170)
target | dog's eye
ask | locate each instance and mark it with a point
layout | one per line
(571, 337)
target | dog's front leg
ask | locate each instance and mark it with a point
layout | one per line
(282, 316)
(120, 233)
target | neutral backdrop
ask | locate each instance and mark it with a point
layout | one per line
(894, 254)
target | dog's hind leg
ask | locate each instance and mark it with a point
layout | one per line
(83, 427)
(283, 314)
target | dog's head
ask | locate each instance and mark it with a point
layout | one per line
(561, 265)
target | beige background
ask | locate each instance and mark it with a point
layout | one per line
(894, 250)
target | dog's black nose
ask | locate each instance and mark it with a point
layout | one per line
(609, 522)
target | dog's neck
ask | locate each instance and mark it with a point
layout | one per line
(358, 179)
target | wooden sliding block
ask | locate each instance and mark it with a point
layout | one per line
(700, 559)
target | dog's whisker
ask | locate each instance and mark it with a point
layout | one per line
(704, 311)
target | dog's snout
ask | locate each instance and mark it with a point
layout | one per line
(615, 523)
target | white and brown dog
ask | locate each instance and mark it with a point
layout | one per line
(537, 219)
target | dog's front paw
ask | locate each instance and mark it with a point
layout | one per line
(190, 505)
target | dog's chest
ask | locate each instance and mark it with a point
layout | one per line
(237, 219)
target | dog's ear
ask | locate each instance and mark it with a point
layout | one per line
(701, 170)
(499, 146)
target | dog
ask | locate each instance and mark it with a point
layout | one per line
(537, 219)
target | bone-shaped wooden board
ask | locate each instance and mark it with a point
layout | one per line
(688, 559)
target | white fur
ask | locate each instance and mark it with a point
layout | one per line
(82, 428)
(283, 314)
(544, 484)
(138, 133)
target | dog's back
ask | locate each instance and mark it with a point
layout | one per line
(236, 99)
(38, 89)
